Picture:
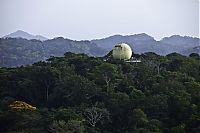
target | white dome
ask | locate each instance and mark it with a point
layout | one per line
(122, 51)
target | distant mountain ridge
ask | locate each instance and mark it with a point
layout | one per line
(191, 50)
(25, 35)
(19, 51)
(109, 42)
(141, 43)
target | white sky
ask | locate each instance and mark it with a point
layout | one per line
(89, 19)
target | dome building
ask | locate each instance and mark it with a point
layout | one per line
(122, 51)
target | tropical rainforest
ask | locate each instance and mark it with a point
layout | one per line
(81, 94)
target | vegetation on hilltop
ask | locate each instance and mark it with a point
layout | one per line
(81, 94)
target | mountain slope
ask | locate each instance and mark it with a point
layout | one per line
(178, 43)
(19, 51)
(191, 50)
(25, 35)
(109, 42)
(141, 43)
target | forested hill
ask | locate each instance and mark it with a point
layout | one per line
(81, 94)
(142, 43)
(19, 51)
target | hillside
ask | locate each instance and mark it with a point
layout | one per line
(191, 50)
(179, 44)
(144, 43)
(20, 51)
(81, 94)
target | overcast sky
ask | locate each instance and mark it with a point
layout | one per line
(89, 19)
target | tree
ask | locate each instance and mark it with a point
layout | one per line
(194, 55)
(105, 74)
(72, 126)
(19, 105)
(178, 129)
(154, 62)
(95, 115)
(138, 119)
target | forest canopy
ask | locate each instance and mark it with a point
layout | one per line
(81, 94)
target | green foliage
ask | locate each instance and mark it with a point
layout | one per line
(77, 93)
(72, 126)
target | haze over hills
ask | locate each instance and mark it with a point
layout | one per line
(25, 35)
(21, 48)
(20, 51)
(191, 50)
(141, 43)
